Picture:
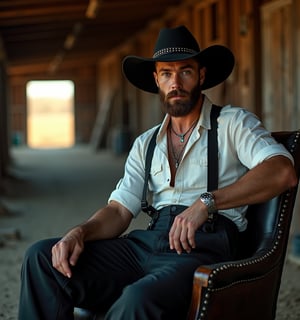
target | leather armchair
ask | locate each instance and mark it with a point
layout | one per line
(248, 288)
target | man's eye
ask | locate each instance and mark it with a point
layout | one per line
(166, 74)
(186, 73)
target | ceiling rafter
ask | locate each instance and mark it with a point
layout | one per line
(38, 32)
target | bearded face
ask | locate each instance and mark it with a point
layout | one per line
(184, 103)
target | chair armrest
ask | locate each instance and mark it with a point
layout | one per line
(224, 273)
(201, 278)
(228, 280)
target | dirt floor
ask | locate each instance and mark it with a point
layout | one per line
(49, 191)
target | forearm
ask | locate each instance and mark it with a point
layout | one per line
(108, 222)
(263, 182)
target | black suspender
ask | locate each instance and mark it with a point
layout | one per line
(144, 203)
(212, 153)
(212, 158)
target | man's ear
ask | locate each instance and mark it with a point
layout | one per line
(202, 73)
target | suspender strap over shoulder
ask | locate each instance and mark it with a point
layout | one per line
(144, 203)
(212, 158)
(212, 153)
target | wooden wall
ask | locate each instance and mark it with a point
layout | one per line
(4, 154)
(230, 23)
(280, 106)
(4, 145)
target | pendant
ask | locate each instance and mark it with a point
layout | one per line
(176, 164)
(182, 138)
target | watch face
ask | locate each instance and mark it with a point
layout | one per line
(208, 196)
(208, 199)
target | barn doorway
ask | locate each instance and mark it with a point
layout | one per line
(50, 114)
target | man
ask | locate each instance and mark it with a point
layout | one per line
(148, 273)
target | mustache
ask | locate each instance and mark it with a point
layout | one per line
(178, 92)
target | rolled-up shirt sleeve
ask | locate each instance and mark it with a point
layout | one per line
(252, 142)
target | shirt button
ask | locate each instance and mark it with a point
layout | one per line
(173, 208)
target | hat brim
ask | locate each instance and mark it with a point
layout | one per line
(218, 60)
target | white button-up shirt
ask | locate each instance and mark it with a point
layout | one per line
(243, 144)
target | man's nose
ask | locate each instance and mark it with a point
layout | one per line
(176, 81)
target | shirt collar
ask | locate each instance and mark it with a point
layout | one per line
(204, 119)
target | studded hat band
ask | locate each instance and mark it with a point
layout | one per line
(173, 50)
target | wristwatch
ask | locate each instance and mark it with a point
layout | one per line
(208, 199)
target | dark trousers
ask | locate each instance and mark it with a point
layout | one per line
(133, 277)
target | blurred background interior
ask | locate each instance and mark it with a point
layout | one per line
(61, 83)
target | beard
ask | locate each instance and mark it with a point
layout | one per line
(180, 108)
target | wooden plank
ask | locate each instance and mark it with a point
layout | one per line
(98, 132)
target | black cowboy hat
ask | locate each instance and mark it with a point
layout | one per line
(175, 45)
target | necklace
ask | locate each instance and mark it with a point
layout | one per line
(182, 135)
(177, 157)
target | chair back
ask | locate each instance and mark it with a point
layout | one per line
(269, 221)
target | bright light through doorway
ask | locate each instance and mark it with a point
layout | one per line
(50, 114)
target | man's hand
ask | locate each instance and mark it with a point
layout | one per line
(108, 222)
(182, 232)
(66, 252)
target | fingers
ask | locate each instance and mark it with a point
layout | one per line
(174, 236)
(182, 235)
(191, 237)
(65, 252)
(60, 255)
(74, 256)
